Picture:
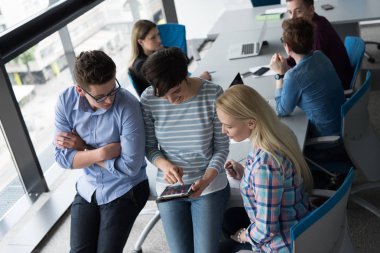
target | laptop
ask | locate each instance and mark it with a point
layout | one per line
(248, 49)
(237, 80)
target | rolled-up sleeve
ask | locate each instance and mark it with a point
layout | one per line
(132, 141)
(287, 97)
(63, 156)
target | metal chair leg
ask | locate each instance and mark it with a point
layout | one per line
(145, 232)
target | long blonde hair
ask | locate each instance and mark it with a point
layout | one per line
(244, 103)
(139, 31)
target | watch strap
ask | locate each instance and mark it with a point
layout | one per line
(278, 76)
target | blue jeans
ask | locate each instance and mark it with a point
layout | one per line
(105, 228)
(194, 225)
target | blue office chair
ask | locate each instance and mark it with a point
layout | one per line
(355, 47)
(325, 229)
(132, 79)
(173, 35)
(257, 3)
(360, 142)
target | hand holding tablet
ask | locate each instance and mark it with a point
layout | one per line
(175, 192)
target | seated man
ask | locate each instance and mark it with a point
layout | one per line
(325, 39)
(312, 84)
(100, 129)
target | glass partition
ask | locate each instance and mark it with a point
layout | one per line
(38, 75)
(17, 11)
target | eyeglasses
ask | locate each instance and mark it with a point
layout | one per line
(282, 40)
(103, 98)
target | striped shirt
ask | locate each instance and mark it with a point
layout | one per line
(188, 134)
(274, 200)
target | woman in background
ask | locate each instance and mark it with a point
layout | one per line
(145, 40)
(275, 181)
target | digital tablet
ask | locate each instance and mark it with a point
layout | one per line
(175, 192)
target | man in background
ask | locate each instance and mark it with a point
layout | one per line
(325, 39)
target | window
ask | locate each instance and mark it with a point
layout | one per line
(39, 74)
(11, 189)
(17, 11)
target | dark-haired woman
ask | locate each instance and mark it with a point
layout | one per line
(185, 141)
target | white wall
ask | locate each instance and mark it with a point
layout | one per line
(199, 15)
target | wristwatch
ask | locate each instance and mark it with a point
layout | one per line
(278, 76)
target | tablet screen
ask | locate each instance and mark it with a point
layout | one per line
(176, 190)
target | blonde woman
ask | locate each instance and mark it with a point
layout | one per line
(145, 40)
(276, 179)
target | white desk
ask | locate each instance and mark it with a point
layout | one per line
(344, 17)
(216, 59)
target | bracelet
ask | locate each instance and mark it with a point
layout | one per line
(242, 230)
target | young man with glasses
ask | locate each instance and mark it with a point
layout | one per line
(100, 129)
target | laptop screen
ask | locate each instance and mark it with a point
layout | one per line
(237, 80)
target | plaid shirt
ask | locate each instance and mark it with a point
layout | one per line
(274, 200)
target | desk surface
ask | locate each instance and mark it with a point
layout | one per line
(217, 60)
(344, 12)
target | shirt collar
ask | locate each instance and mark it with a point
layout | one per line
(83, 105)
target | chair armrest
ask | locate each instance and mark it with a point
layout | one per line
(322, 193)
(348, 93)
(322, 140)
(319, 196)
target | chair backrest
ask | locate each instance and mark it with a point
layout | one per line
(355, 47)
(324, 229)
(360, 141)
(173, 35)
(257, 3)
(132, 78)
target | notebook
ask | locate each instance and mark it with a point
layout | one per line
(248, 49)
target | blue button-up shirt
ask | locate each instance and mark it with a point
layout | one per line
(315, 87)
(122, 123)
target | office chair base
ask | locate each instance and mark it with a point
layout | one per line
(145, 232)
(365, 204)
(362, 202)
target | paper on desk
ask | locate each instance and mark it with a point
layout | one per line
(268, 73)
(276, 10)
(274, 16)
